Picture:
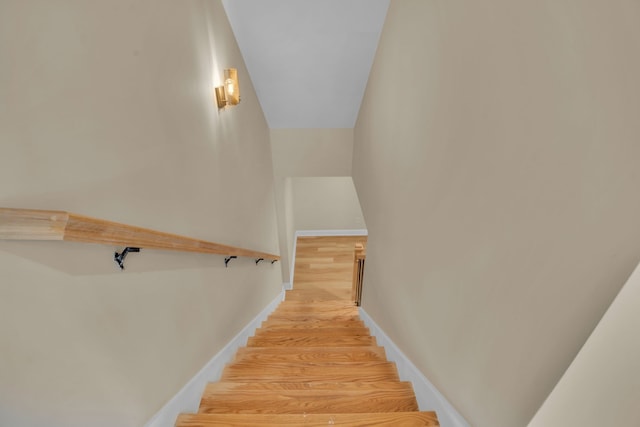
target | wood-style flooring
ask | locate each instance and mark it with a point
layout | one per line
(313, 361)
(324, 266)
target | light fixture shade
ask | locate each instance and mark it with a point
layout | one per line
(229, 92)
(221, 97)
(231, 86)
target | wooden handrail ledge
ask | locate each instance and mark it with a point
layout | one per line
(30, 224)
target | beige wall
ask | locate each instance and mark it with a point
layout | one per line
(312, 152)
(304, 153)
(499, 184)
(602, 385)
(106, 109)
(326, 203)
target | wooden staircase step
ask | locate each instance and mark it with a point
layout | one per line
(319, 309)
(318, 295)
(305, 293)
(311, 317)
(325, 278)
(313, 284)
(311, 372)
(300, 315)
(314, 400)
(233, 386)
(294, 302)
(333, 295)
(312, 332)
(310, 354)
(335, 304)
(394, 419)
(327, 268)
(285, 324)
(327, 259)
(328, 303)
(311, 341)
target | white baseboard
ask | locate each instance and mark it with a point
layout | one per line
(287, 286)
(359, 232)
(188, 399)
(312, 233)
(428, 397)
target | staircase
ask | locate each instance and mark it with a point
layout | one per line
(312, 363)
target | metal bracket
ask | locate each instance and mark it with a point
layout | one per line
(227, 259)
(119, 258)
(258, 260)
(275, 260)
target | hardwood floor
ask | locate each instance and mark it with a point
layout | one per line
(312, 362)
(324, 266)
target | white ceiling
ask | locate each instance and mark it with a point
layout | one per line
(309, 60)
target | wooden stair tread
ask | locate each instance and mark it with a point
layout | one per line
(351, 365)
(309, 316)
(306, 317)
(334, 303)
(310, 340)
(311, 286)
(232, 386)
(310, 354)
(316, 401)
(319, 295)
(327, 295)
(395, 419)
(326, 265)
(306, 308)
(283, 324)
(312, 332)
(311, 372)
(329, 312)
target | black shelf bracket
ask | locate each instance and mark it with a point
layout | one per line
(275, 260)
(258, 260)
(119, 258)
(227, 259)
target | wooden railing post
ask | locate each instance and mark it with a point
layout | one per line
(359, 256)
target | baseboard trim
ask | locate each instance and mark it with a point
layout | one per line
(287, 286)
(427, 395)
(358, 232)
(313, 233)
(188, 398)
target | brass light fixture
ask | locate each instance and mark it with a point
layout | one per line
(229, 92)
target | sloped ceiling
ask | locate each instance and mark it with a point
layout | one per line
(309, 60)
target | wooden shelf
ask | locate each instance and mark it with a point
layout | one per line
(29, 224)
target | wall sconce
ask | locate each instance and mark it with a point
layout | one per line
(229, 92)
